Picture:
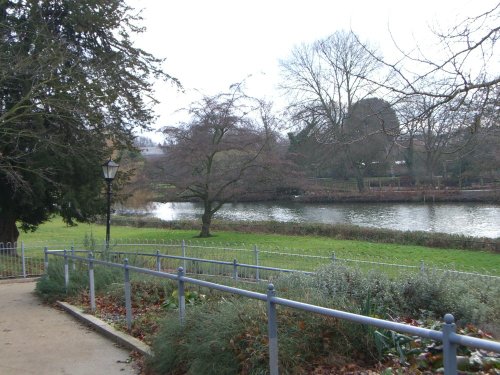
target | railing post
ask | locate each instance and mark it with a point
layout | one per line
(183, 245)
(128, 299)
(449, 348)
(272, 329)
(158, 261)
(23, 259)
(182, 298)
(73, 260)
(257, 271)
(235, 269)
(91, 282)
(334, 259)
(422, 267)
(66, 270)
(45, 259)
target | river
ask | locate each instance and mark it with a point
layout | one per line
(471, 219)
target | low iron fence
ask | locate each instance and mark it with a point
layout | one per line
(170, 263)
(250, 262)
(15, 264)
(447, 336)
(255, 269)
(252, 255)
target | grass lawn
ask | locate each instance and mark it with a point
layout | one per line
(56, 235)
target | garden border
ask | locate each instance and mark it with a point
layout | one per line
(447, 335)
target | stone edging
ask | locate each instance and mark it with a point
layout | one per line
(120, 338)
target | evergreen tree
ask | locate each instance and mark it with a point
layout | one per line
(72, 89)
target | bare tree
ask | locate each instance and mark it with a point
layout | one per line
(228, 141)
(434, 134)
(446, 99)
(464, 65)
(324, 81)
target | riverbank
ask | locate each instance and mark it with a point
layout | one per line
(317, 193)
(400, 196)
(338, 232)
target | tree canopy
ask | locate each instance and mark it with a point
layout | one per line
(226, 149)
(331, 101)
(73, 87)
(447, 104)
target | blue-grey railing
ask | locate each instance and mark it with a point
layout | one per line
(18, 265)
(229, 251)
(284, 258)
(257, 267)
(447, 335)
(234, 265)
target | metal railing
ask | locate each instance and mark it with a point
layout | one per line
(15, 265)
(195, 266)
(251, 261)
(282, 258)
(448, 336)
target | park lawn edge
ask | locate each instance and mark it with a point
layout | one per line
(56, 234)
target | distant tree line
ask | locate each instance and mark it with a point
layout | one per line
(357, 114)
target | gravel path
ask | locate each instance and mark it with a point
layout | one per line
(38, 339)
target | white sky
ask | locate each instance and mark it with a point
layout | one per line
(211, 44)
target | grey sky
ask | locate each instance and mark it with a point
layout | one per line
(210, 44)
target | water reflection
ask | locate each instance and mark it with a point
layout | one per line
(468, 219)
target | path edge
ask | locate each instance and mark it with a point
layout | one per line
(104, 328)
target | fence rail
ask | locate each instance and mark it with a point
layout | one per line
(15, 265)
(248, 260)
(448, 336)
(284, 258)
(255, 271)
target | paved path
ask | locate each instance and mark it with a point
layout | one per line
(38, 339)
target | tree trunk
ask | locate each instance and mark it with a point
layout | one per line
(410, 161)
(8, 235)
(206, 220)
(429, 165)
(358, 170)
(360, 181)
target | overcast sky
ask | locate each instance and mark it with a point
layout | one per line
(210, 44)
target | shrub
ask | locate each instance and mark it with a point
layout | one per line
(51, 286)
(470, 300)
(202, 345)
(230, 337)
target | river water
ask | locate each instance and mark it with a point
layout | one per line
(471, 219)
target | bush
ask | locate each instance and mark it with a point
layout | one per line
(51, 286)
(470, 300)
(149, 290)
(230, 337)
(202, 345)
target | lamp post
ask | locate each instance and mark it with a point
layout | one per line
(109, 170)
